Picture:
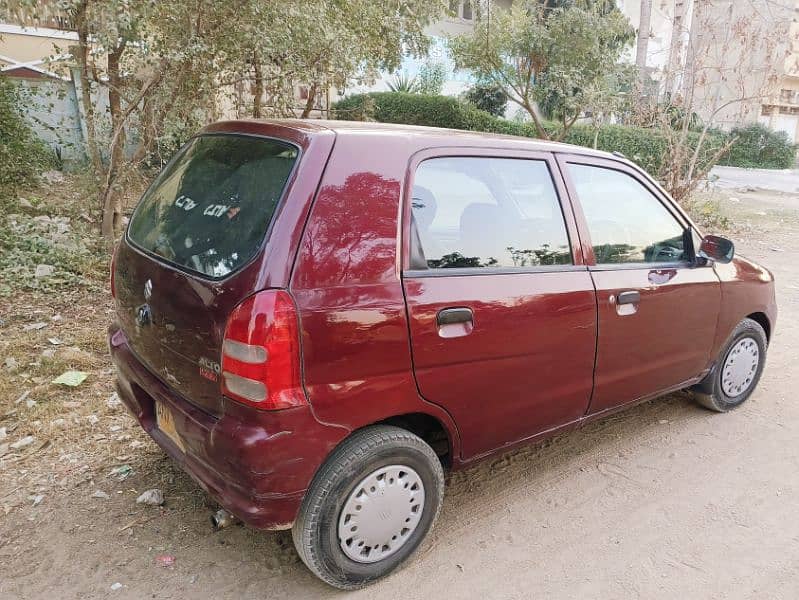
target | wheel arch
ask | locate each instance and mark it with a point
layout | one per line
(762, 319)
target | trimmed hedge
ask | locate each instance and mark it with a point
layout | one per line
(646, 147)
(757, 146)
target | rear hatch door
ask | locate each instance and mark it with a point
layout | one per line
(192, 253)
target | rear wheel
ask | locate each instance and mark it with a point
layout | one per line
(738, 369)
(369, 507)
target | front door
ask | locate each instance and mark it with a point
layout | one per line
(656, 306)
(502, 309)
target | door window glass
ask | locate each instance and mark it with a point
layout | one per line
(626, 222)
(488, 212)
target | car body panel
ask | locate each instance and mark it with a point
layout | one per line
(356, 355)
(667, 337)
(526, 366)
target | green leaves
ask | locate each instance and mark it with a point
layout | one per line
(22, 154)
(757, 146)
(561, 58)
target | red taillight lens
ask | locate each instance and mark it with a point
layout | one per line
(113, 276)
(261, 353)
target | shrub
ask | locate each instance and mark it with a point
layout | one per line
(22, 154)
(757, 146)
(487, 97)
(647, 147)
(641, 145)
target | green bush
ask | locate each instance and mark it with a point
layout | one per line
(488, 97)
(22, 154)
(757, 146)
(647, 147)
(644, 146)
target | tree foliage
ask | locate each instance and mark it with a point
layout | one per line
(558, 53)
(431, 77)
(169, 65)
(22, 154)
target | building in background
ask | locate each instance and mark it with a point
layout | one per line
(34, 52)
(780, 111)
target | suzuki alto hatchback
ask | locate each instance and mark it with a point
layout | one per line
(315, 318)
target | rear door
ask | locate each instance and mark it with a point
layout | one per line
(501, 307)
(189, 255)
(657, 306)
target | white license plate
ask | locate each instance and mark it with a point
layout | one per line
(166, 423)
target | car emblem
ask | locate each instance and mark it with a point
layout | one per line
(143, 315)
(148, 290)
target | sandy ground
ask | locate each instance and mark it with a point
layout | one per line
(666, 500)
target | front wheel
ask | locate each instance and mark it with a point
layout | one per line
(369, 507)
(738, 370)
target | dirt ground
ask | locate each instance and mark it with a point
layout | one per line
(665, 500)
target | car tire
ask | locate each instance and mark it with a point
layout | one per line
(737, 372)
(346, 493)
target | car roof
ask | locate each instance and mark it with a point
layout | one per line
(422, 135)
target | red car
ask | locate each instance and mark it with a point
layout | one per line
(315, 319)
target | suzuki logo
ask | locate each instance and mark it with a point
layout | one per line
(148, 290)
(143, 315)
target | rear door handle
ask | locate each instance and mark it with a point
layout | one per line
(453, 316)
(631, 297)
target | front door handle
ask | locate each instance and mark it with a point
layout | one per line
(451, 316)
(631, 297)
(455, 322)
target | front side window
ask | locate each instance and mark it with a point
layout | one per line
(209, 210)
(626, 222)
(488, 212)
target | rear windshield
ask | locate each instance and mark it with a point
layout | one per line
(209, 210)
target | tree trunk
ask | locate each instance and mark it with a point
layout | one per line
(258, 93)
(82, 55)
(643, 37)
(111, 203)
(539, 126)
(310, 102)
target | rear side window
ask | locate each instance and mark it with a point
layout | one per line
(488, 212)
(627, 223)
(209, 210)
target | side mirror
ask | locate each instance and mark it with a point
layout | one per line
(716, 248)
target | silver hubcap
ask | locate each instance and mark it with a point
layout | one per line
(740, 367)
(381, 513)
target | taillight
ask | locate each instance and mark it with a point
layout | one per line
(261, 353)
(113, 276)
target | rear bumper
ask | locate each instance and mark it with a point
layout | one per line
(256, 464)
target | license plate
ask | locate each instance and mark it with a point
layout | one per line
(166, 423)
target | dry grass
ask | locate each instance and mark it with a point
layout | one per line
(48, 329)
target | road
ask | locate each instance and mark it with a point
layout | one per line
(780, 181)
(665, 500)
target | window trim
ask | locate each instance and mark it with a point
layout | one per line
(469, 271)
(267, 234)
(633, 171)
(548, 158)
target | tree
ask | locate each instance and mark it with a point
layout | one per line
(431, 78)
(323, 44)
(168, 67)
(556, 53)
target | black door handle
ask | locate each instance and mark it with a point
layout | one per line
(631, 297)
(450, 316)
